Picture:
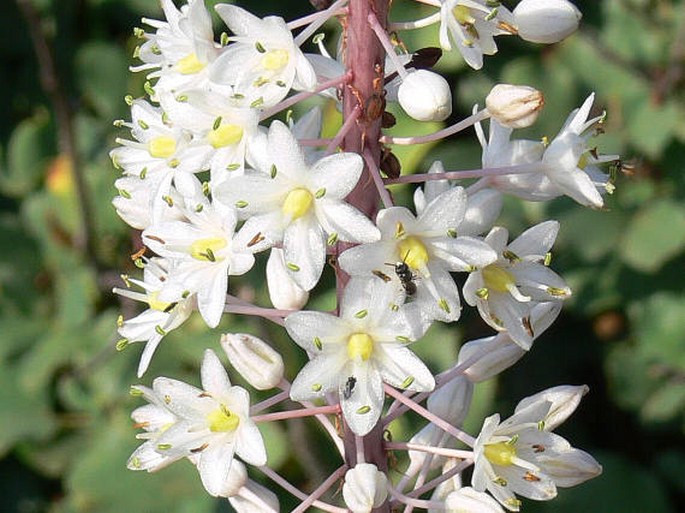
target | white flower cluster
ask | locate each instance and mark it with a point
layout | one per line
(210, 184)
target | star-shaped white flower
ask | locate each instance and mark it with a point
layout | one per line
(263, 62)
(207, 425)
(507, 290)
(430, 246)
(355, 353)
(521, 456)
(205, 250)
(299, 205)
(162, 316)
(161, 154)
(181, 48)
(471, 25)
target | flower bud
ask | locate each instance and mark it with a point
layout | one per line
(546, 21)
(254, 359)
(564, 400)
(284, 293)
(425, 96)
(365, 488)
(254, 498)
(514, 106)
(496, 354)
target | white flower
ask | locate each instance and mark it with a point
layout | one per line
(208, 426)
(546, 21)
(521, 456)
(571, 165)
(355, 353)
(134, 202)
(365, 488)
(162, 316)
(224, 131)
(425, 96)
(471, 25)
(160, 155)
(430, 246)
(181, 48)
(514, 106)
(284, 293)
(255, 360)
(263, 62)
(506, 291)
(205, 251)
(299, 205)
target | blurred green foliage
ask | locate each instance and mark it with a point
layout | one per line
(64, 405)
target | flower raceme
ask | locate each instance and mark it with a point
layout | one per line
(211, 181)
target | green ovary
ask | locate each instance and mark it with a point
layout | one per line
(222, 420)
(190, 65)
(155, 303)
(501, 454)
(162, 147)
(359, 345)
(206, 249)
(225, 135)
(413, 253)
(463, 15)
(497, 279)
(297, 203)
(275, 60)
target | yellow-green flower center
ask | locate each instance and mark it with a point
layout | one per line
(162, 147)
(225, 135)
(297, 203)
(155, 303)
(583, 161)
(463, 15)
(497, 279)
(359, 345)
(206, 249)
(222, 420)
(275, 60)
(501, 453)
(190, 65)
(413, 252)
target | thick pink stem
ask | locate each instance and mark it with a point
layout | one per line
(364, 58)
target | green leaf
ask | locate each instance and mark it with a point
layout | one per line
(591, 234)
(650, 126)
(28, 150)
(654, 236)
(666, 403)
(102, 73)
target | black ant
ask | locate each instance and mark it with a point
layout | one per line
(405, 275)
(349, 387)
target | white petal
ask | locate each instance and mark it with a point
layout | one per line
(346, 221)
(213, 375)
(304, 327)
(537, 240)
(337, 174)
(214, 464)
(304, 245)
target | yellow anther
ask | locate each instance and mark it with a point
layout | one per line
(155, 303)
(222, 420)
(463, 15)
(497, 279)
(162, 147)
(413, 252)
(583, 161)
(360, 345)
(206, 249)
(297, 203)
(190, 65)
(501, 453)
(225, 135)
(275, 60)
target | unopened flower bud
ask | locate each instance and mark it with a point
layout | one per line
(564, 400)
(490, 356)
(254, 359)
(254, 498)
(546, 21)
(514, 106)
(365, 488)
(284, 293)
(425, 96)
